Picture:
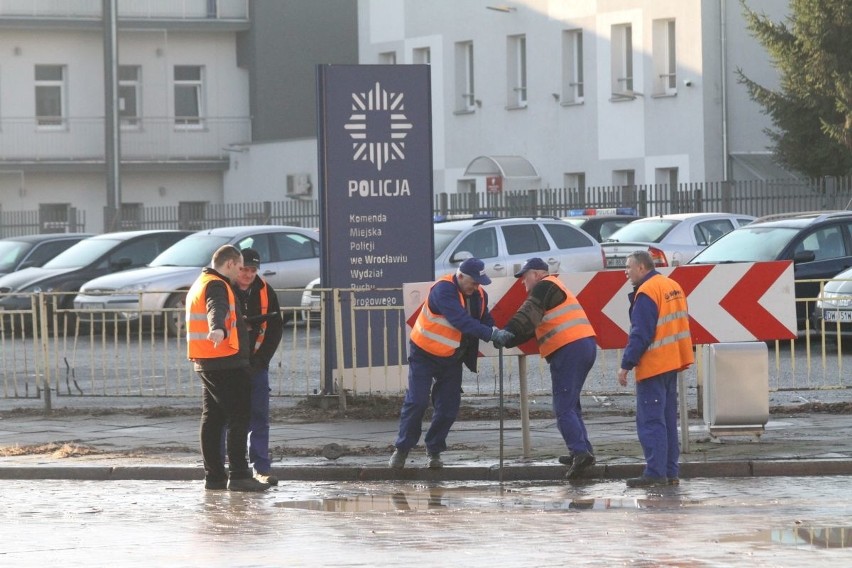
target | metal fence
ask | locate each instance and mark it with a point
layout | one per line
(756, 198)
(47, 352)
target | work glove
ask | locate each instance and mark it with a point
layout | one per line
(500, 337)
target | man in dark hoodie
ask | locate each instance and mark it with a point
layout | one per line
(217, 343)
(259, 304)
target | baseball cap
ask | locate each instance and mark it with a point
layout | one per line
(251, 257)
(475, 268)
(534, 263)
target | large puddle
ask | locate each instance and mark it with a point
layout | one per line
(710, 522)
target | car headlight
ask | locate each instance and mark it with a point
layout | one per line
(133, 288)
(835, 299)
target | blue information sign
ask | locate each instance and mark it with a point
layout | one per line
(375, 176)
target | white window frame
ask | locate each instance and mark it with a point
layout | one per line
(466, 100)
(516, 71)
(130, 121)
(573, 90)
(622, 61)
(576, 181)
(51, 122)
(665, 57)
(387, 58)
(190, 122)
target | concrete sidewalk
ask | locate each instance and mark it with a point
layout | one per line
(114, 440)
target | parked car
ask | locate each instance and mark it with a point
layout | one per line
(819, 244)
(29, 251)
(834, 306)
(289, 260)
(601, 223)
(504, 245)
(89, 258)
(670, 239)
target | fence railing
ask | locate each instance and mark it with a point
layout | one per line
(147, 9)
(45, 351)
(756, 198)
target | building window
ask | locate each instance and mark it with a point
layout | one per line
(189, 96)
(50, 95)
(129, 82)
(516, 70)
(572, 66)
(665, 60)
(622, 61)
(387, 58)
(422, 55)
(576, 181)
(465, 88)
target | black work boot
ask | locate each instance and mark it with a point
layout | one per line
(580, 462)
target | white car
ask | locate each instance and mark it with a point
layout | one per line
(505, 244)
(289, 260)
(670, 239)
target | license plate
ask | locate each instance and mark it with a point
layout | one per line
(620, 262)
(90, 306)
(836, 315)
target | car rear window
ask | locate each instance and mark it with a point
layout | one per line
(567, 237)
(524, 238)
(650, 231)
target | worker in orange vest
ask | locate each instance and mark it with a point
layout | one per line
(659, 346)
(217, 343)
(447, 332)
(566, 340)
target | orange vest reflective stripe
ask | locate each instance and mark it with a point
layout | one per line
(562, 324)
(671, 348)
(264, 309)
(433, 333)
(197, 344)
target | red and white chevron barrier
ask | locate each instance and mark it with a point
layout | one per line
(727, 302)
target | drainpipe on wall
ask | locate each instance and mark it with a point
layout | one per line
(724, 64)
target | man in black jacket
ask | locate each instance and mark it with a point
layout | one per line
(262, 313)
(218, 345)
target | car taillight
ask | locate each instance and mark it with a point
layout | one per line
(657, 256)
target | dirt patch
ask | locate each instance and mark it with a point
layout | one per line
(56, 450)
(814, 407)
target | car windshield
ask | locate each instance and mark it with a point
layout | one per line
(748, 244)
(443, 238)
(191, 251)
(82, 254)
(11, 253)
(650, 231)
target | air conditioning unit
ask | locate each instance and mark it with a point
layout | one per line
(299, 185)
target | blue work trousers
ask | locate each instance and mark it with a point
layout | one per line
(656, 424)
(258, 433)
(569, 367)
(445, 395)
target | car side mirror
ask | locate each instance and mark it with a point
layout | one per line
(121, 264)
(804, 256)
(460, 256)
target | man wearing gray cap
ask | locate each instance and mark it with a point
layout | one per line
(447, 332)
(566, 340)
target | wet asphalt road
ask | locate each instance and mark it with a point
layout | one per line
(776, 521)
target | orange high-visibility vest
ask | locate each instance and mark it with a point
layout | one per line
(671, 348)
(197, 344)
(433, 333)
(562, 324)
(264, 308)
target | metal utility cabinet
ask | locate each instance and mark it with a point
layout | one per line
(736, 388)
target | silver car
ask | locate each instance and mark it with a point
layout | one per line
(504, 244)
(289, 261)
(670, 239)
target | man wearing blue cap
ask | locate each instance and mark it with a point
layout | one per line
(447, 332)
(566, 340)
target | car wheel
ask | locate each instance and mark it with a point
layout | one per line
(174, 314)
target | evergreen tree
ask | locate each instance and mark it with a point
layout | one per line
(812, 111)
